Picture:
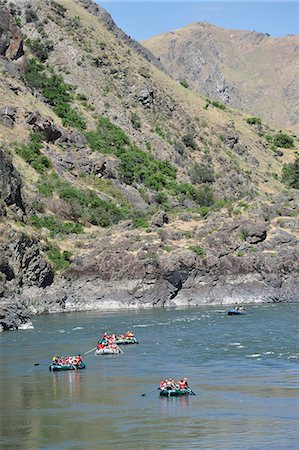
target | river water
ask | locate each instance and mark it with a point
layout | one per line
(244, 370)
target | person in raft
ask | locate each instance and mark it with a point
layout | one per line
(162, 385)
(120, 336)
(183, 384)
(100, 345)
(129, 335)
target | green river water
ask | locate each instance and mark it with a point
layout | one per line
(244, 370)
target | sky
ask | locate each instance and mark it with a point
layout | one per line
(142, 19)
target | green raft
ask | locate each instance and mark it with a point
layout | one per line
(126, 341)
(56, 367)
(174, 392)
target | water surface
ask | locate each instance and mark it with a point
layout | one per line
(244, 370)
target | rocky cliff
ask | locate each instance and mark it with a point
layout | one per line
(120, 188)
(244, 69)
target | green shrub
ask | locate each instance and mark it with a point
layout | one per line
(39, 48)
(30, 15)
(254, 121)
(136, 166)
(162, 199)
(198, 250)
(108, 138)
(184, 83)
(59, 260)
(141, 222)
(86, 205)
(31, 153)
(202, 174)
(283, 140)
(215, 103)
(136, 121)
(202, 196)
(189, 140)
(56, 91)
(290, 174)
(56, 226)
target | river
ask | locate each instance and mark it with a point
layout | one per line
(243, 369)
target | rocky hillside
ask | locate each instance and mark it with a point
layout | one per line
(121, 188)
(247, 70)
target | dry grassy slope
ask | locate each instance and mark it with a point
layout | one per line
(113, 89)
(250, 71)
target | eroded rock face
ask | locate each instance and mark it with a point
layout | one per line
(10, 185)
(11, 41)
(14, 316)
(21, 263)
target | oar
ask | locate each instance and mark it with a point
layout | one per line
(91, 350)
(191, 392)
(119, 348)
(146, 393)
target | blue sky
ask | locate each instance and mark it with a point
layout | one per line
(142, 19)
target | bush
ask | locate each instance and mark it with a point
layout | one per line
(189, 140)
(55, 91)
(184, 83)
(108, 138)
(85, 205)
(254, 121)
(202, 196)
(198, 250)
(59, 260)
(39, 48)
(215, 103)
(30, 15)
(136, 166)
(56, 226)
(290, 174)
(283, 140)
(202, 174)
(136, 121)
(31, 153)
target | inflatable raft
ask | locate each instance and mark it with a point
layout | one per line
(236, 312)
(107, 351)
(57, 367)
(174, 392)
(126, 341)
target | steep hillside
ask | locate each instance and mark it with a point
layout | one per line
(247, 70)
(119, 187)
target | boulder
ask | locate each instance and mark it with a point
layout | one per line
(7, 116)
(14, 316)
(159, 219)
(43, 125)
(146, 97)
(70, 139)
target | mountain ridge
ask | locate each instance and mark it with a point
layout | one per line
(241, 68)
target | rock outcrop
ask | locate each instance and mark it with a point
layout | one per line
(10, 187)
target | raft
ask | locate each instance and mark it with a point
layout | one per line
(235, 312)
(56, 367)
(126, 341)
(174, 392)
(107, 351)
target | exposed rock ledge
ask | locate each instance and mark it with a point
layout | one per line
(229, 281)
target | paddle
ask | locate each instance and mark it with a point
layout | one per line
(146, 393)
(119, 348)
(91, 350)
(191, 392)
